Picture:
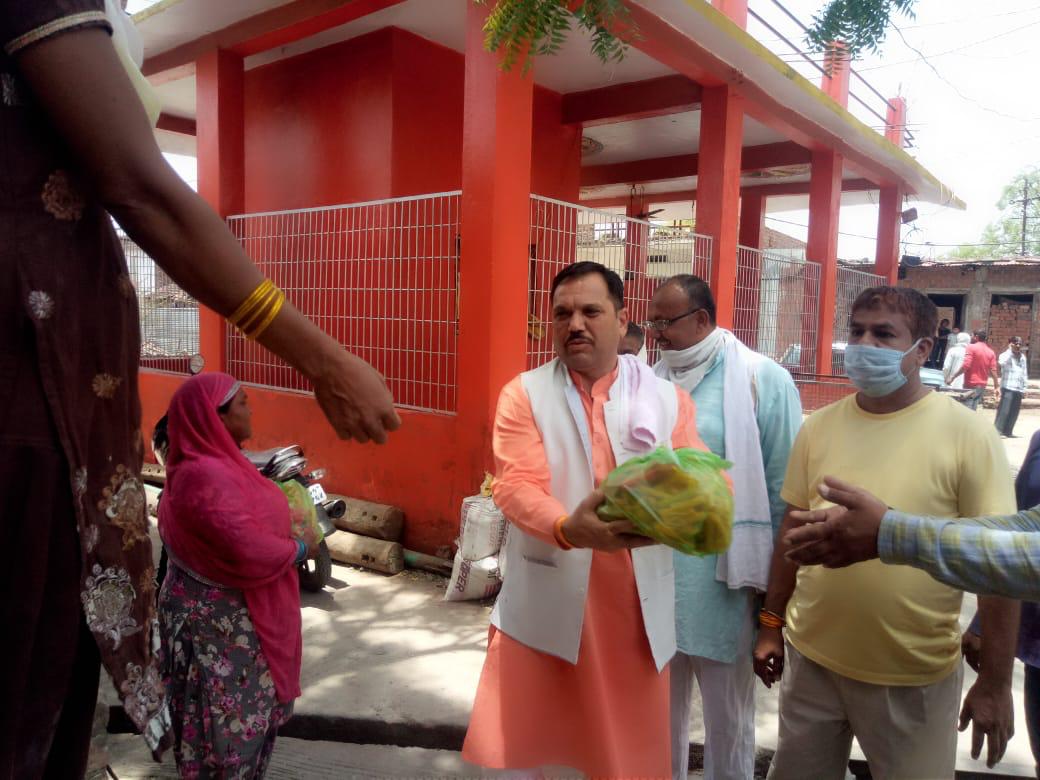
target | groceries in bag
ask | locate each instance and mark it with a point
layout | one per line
(680, 498)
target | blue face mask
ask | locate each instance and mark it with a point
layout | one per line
(876, 371)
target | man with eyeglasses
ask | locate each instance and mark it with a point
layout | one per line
(749, 412)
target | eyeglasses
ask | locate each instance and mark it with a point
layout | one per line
(661, 325)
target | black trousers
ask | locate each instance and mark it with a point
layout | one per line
(1007, 412)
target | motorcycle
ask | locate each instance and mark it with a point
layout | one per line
(281, 464)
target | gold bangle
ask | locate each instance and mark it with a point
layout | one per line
(247, 305)
(256, 314)
(275, 308)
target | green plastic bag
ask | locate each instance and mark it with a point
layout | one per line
(302, 513)
(678, 497)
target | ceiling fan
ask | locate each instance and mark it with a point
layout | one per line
(646, 215)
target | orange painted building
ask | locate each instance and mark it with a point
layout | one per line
(416, 200)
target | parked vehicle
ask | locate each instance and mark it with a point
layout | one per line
(279, 464)
(792, 361)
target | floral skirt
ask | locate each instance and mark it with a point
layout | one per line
(221, 694)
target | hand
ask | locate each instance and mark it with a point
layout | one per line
(355, 399)
(769, 655)
(971, 649)
(584, 528)
(990, 707)
(838, 536)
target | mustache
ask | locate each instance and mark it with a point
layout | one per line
(576, 337)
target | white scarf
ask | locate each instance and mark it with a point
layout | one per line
(687, 367)
(746, 563)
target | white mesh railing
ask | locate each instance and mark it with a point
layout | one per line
(169, 316)
(850, 283)
(777, 307)
(642, 253)
(380, 277)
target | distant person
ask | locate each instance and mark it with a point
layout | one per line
(633, 342)
(955, 359)
(979, 365)
(1013, 378)
(941, 345)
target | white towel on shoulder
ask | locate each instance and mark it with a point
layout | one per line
(746, 563)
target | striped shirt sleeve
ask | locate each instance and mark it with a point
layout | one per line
(986, 555)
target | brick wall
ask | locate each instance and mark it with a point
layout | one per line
(980, 282)
(1007, 320)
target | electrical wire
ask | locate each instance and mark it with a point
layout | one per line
(952, 86)
(909, 243)
(925, 57)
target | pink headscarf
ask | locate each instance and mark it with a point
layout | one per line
(223, 520)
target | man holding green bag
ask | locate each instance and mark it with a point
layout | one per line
(583, 630)
(749, 412)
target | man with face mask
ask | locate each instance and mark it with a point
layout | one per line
(584, 627)
(873, 651)
(748, 411)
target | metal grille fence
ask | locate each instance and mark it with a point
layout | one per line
(850, 283)
(642, 253)
(776, 307)
(379, 277)
(169, 316)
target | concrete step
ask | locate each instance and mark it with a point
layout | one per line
(297, 759)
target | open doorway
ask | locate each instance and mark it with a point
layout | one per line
(951, 307)
(951, 318)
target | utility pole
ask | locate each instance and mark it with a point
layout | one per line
(1025, 212)
(1026, 200)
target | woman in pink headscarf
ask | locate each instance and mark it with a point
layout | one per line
(229, 610)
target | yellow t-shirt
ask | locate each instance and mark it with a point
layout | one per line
(881, 624)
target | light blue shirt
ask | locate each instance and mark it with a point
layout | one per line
(708, 615)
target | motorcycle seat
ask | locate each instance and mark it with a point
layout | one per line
(267, 459)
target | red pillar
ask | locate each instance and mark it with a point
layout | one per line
(822, 245)
(895, 123)
(220, 129)
(718, 190)
(752, 220)
(496, 189)
(837, 69)
(890, 207)
(637, 247)
(824, 209)
(735, 10)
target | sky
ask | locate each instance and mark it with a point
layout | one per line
(976, 116)
(973, 105)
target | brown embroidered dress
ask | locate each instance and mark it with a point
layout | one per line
(75, 536)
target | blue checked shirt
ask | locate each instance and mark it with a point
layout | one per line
(997, 555)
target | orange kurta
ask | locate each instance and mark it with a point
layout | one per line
(607, 715)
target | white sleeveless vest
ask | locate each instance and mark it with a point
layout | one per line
(542, 602)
